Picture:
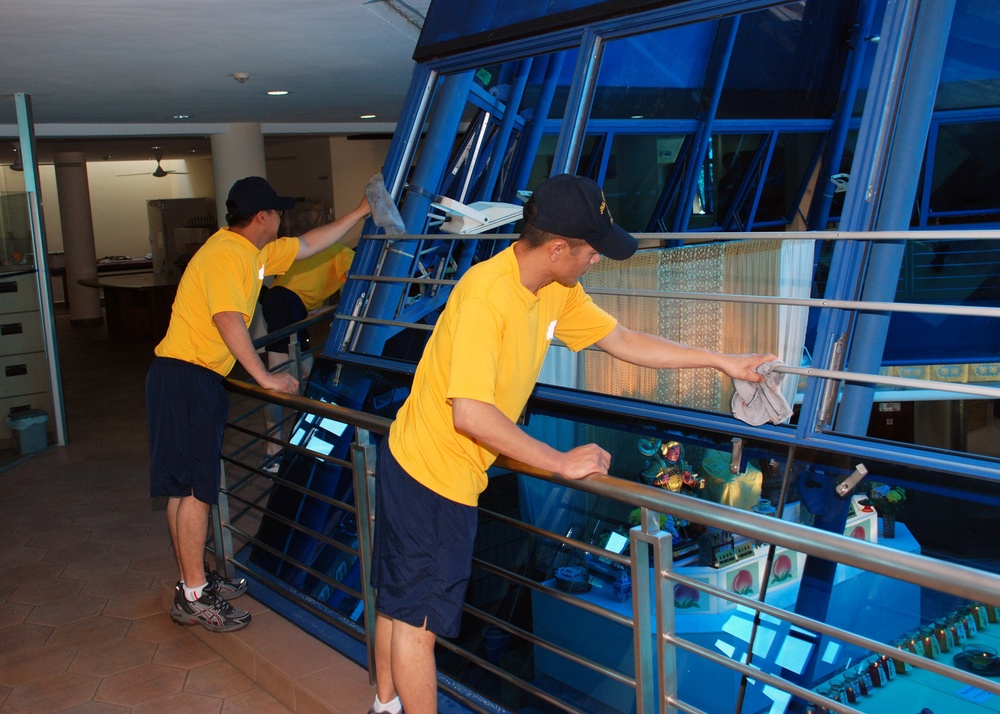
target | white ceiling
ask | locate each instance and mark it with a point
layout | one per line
(126, 68)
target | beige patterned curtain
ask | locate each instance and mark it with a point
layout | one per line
(774, 268)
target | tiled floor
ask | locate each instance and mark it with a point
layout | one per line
(84, 562)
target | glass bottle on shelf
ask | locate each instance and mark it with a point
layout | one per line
(903, 643)
(943, 635)
(837, 691)
(929, 640)
(958, 627)
(915, 643)
(852, 687)
(876, 673)
(889, 666)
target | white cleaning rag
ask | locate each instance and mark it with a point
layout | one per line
(384, 212)
(759, 402)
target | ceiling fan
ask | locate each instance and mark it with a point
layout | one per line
(159, 171)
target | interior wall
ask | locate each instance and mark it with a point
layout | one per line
(355, 161)
(119, 192)
(331, 169)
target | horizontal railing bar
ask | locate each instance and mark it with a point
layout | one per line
(956, 387)
(553, 592)
(757, 674)
(256, 508)
(807, 623)
(862, 305)
(561, 651)
(283, 557)
(276, 586)
(935, 235)
(918, 569)
(504, 674)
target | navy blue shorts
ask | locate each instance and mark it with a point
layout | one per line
(281, 307)
(187, 408)
(422, 554)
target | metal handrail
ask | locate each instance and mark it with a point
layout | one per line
(940, 576)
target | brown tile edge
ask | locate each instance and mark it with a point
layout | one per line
(280, 684)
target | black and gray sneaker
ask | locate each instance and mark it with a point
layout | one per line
(226, 588)
(210, 611)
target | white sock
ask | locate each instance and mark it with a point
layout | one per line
(192, 594)
(392, 707)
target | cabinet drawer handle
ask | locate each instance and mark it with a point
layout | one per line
(16, 370)
(10, 287)
(13, 328)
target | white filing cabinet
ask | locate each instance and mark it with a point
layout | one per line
(24, 374)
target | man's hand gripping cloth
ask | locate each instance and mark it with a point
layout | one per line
(759, 402)
(384, 211)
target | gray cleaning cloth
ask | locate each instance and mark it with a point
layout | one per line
(759, 402)
(384, 211)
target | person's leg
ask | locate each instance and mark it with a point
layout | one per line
(383, 658)
(414, 673)
(189, 530)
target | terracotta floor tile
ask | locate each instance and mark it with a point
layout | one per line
(30, 572)
(115, 584)
(107, 565)
(301, 655)
(134, 605)
(142, 684)
(23, 635)
(12, 613)
(39, 592)
(52, 694)
(112, 658)
(218, 679)
(344, 687)
(125, 531)
(56, 537)
(185, 652)
(67, 609)
(90, 632)
(183, 702)
(254, 701)
(29, 665)
(77, 552)
(97, 708)
(156, 628)
(135, 547)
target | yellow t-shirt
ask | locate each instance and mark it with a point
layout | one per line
(224, 275)
(488, 345)
(318, 277)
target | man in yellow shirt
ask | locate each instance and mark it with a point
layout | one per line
(186, 402)
(471, 384)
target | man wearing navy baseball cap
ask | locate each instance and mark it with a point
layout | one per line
(471, 385)
(186, 403)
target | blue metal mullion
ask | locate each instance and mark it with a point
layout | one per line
(578, 104)
(727, 27)
(923, 49)
(528, 149)
(765, 167)
(427, 175)
(843, 118)
(521, 73)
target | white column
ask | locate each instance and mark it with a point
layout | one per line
(236, 154)
(78, 237)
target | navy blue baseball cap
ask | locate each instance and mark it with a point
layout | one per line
(575, 207)
(252, 194)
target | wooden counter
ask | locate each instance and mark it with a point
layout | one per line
(136, 305)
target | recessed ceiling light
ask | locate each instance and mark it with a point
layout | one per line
(278, 92)
(367, 116)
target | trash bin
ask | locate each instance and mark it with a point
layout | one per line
(28, 430)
